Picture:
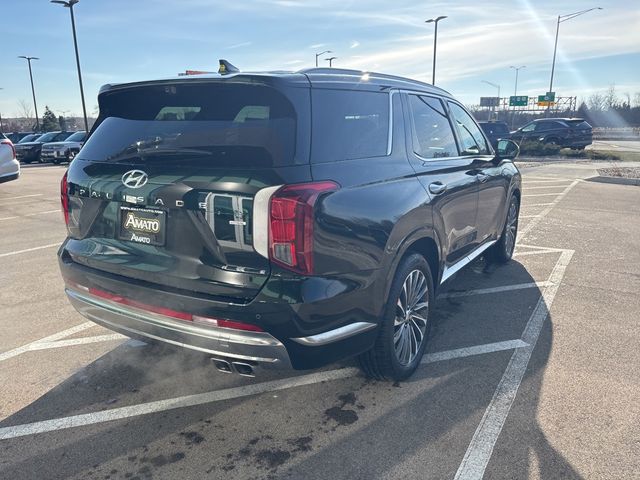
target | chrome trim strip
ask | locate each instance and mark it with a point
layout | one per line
(390, 135)
(336, 335)
(464, 261)
(261, 219)
(224, 342)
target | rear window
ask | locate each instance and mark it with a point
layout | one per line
(578, 124)
(210, 124)
(495, 128)
(348, 124)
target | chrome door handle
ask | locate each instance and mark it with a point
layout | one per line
(437, 187)
(482, 177)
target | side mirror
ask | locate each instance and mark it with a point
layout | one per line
(508, 149)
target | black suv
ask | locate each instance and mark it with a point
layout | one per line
(573, 133)
(282, 219)
(495, 131)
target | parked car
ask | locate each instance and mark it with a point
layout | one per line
(15, 137)
(9, 166)
(200, 213)
(573, 133)
(64, 151)
(28, 152)
(28, 138)
(495, 131)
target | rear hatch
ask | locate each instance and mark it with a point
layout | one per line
(162, 191)
(580, 131)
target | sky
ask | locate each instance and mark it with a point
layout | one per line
(127, 40)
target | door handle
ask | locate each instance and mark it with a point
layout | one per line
(482, 177)
(437, 187)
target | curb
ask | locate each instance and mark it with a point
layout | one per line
(615, 180)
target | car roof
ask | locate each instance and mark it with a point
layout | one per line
(316, 77)
(563, 119)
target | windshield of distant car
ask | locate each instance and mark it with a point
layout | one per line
(29, 138)
(77, 137)
(47, 137)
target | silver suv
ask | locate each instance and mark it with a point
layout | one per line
(65, 151)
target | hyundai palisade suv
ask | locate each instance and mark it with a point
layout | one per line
(282, 219)
(64, 151)
(28, 152)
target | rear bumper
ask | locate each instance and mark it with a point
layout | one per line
(9, 171)
(53, 154)
(223, 342)
(28, 156)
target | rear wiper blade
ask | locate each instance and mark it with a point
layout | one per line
(150, 151)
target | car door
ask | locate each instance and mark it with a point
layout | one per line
(449, 178)
(492, 184)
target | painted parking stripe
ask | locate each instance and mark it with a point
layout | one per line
(30, 214)
(26, 250)
(535, 204)
(50, 338)
(541, 194)
(21, 196)
(504, 288)
(527, 188)
(533, 223)
(480, 449)
(72, 342)
(228, 394)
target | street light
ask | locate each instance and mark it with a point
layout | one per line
(517, 69)
(69, 4)
(564, 18)
(330, 60)
(435, 43)
(33, 90)
(321, 53)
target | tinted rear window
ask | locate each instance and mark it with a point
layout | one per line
(211, 124)
(578, 124)
(494, 128)
(348, 124)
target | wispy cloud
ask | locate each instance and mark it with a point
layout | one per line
(317, 45)
(239, 45)
(354, 44)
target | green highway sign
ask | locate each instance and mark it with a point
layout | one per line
(547, 97)
(518, 101)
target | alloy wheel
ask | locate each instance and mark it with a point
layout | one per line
(410, 323)
(511, 229)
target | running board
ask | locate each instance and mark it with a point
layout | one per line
(464, 261)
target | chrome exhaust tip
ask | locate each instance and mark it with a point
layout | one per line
(222, 365)
(244, 369)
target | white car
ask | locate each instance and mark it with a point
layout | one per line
(9, 166)
(64, 151)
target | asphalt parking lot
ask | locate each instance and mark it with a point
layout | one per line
(533, 369)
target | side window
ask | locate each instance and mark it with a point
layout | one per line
(432, 134)
(529, 128)
(471, 138)
(349, 124)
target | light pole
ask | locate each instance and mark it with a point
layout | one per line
(517, 69)
(435, 44)
(33, 90)
(330, 60)
(495, 85)
(564, 18)
(69, 4)
(321, 53)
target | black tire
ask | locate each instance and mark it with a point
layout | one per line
(57, 161)
(387, 359)
(502, 251)
(552, 141)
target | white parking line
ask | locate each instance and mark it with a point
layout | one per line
(77, 341)
(228, 394)
(50, 338)
(546, 186)
(504, 288)
(21, 196)
(26, 250)
(541, 194)
(29, 215)
(534, 222)
(479, 452)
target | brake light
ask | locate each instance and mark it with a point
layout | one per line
(291, 222)
(64, 198)
(13, 148)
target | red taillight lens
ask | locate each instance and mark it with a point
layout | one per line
(64, 198)
(291, 224)
(10, 143)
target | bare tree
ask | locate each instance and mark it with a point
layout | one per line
(636, 100)
(24, 109)
(597, 102)
(611, 98)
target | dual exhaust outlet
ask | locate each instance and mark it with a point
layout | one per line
(232, 366)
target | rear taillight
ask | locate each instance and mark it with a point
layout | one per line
(291, 221)
(64, 198)
(13, 149)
